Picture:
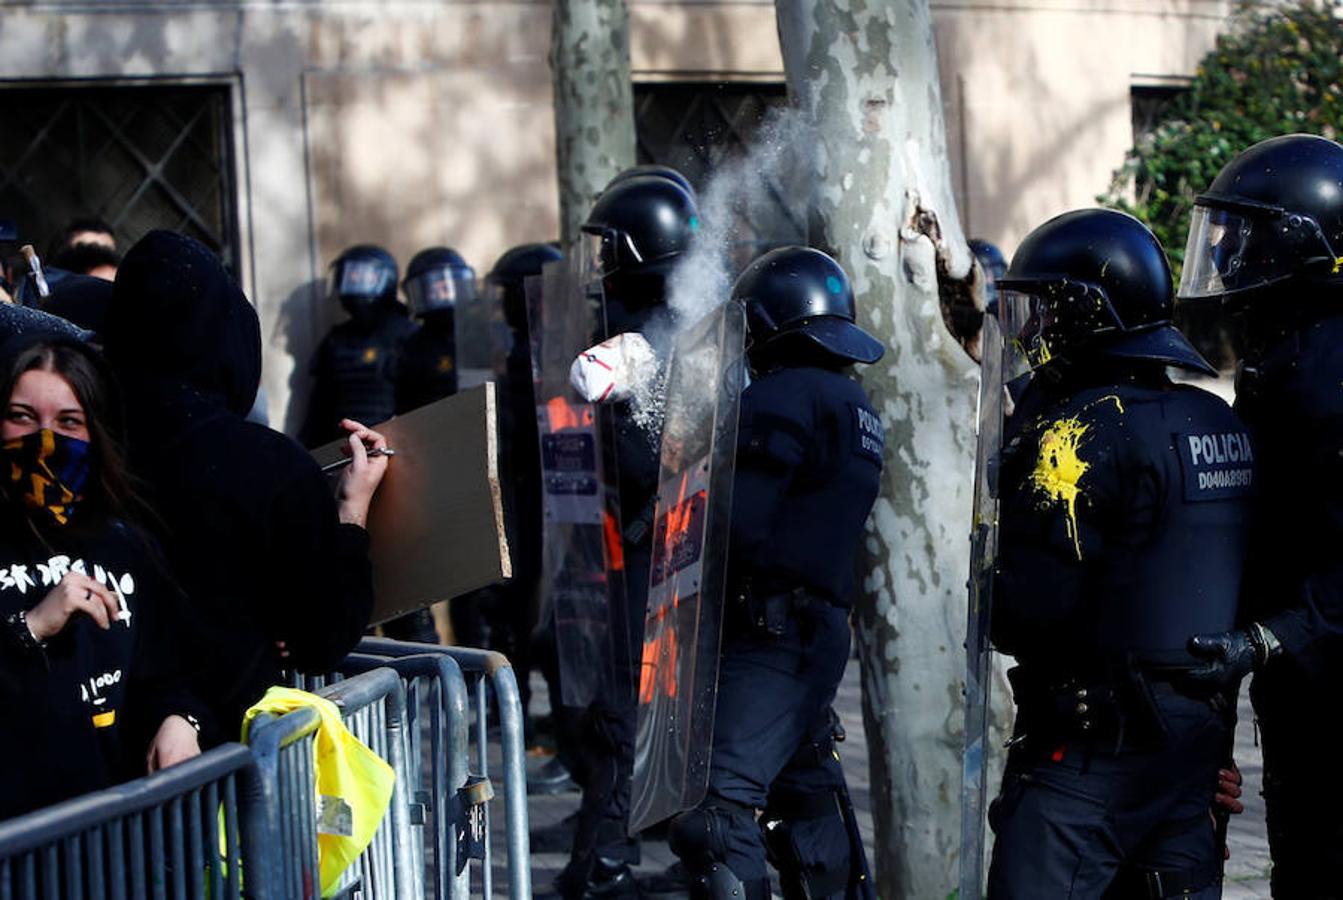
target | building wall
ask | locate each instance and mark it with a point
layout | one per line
(1037, 99)
(416, 122)
(403, 123)
(1036, 92)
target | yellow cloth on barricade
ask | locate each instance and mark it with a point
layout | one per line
(354, 784)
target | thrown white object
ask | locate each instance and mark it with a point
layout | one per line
(614, 370)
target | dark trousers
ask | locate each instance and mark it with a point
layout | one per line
(774, 698)
(1070, 817)
(1300, 736)
(604, 748)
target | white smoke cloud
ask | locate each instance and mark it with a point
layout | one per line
(744, 191)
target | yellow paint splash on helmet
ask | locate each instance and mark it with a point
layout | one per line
(1059, 470)
(1037, 353)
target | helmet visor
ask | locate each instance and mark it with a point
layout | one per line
(1214, 256)
(438, 289)
(592, 256)
(609, 250)
(1041, 320)
(361, 278)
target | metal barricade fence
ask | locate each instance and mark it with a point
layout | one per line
(448, 800)
(285, 760)
(158, 836)
(373, 707)
(487, 672)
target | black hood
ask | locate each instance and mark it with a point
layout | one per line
(16, 320)
(81, 299)
(178, 320)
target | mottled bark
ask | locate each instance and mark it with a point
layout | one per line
(866, 73)
(594, 102)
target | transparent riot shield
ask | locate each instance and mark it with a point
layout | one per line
(682, 628)
(481, 337)
(581, 570)
(994, 374)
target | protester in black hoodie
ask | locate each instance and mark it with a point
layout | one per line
(275, 567)
(89, 683)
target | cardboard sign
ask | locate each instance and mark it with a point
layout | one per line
(436, 526)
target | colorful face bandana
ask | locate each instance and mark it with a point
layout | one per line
(48, 470)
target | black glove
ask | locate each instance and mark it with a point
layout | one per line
(1230, 655)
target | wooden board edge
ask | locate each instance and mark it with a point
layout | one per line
(496, 492)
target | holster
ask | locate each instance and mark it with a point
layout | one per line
(1114, 710)
(764, 610)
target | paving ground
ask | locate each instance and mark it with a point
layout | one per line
(1246, 873)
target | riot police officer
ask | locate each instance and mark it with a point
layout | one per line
(635, 233)
(355, 366)
(1266, 239)
(437, 280)
(1122, 523)
(809, 459)
(519, 458)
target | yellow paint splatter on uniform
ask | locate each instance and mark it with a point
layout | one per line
(1114, 398)
(1059, 470)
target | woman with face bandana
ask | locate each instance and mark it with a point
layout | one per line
(89, 693)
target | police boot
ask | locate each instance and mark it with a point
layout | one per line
(610, 878)
(596, 878)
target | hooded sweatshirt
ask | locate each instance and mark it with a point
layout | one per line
(250, 524)
(83, 709)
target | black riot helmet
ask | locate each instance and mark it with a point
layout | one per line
(798, 301)
(990, 258)
(655, 171)
(363, 278)
(1093, 282)
(993, 263)
(637, 230)
(511, 271)
(437, 279)
(1273, 213)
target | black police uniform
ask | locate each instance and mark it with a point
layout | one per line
(419, 369)
(356, 372)
(426, 372)
(643, 223)
(1122, 525)
(602, 758)
(808, 471)
(1293, 405)
(519, 465)
(427, 369)
(1266, 239)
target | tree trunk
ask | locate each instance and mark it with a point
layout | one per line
(594, 102)
(865, 72)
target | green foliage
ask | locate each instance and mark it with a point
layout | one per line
(1277, 70)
